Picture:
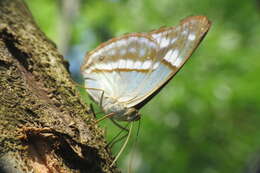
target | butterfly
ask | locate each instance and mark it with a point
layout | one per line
(124, 73)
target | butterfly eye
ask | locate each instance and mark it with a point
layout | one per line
(101, 58)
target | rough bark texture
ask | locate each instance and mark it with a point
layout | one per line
(44, 126)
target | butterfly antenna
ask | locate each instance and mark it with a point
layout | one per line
(134, 147)
(119, 125)
(123, 147)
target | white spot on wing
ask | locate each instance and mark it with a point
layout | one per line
(192, 37)
(129, 64)
(107, 67)
(138, 65)
(156, 65)
(168, 55)
(152, 45)
(164, 42)
(144, 40)
(171, 56)
(106, 48)
(99, 66)
(142, 52)
(173, 40)
(147, 64)
(132, 39)
(114, 65)
(96, 54)
(175, 53)
(132, 49)
(112, 52)
(178, 62)
(87, 71)
(122, 51)
(121, 43)
(121, 63)
(185, 32)
(157, 36)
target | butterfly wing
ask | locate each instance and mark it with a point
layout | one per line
(118, 66)
(133, 68)
(176, 44)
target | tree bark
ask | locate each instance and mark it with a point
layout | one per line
(44, 126)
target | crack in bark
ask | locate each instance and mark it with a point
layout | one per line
(4, 64)
(10, 43)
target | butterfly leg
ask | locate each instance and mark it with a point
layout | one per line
(115, 138)
(92, 110)
(104, 117)
(101, 99)
(100, 104)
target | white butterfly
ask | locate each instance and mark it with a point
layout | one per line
(124, 73)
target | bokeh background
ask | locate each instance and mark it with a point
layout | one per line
(206, 120)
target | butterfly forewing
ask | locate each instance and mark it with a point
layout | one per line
(132, 68)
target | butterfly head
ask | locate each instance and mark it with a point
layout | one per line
(132, 114)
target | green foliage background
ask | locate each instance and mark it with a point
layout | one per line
(206, 120)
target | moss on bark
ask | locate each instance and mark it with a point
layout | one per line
(44, 126)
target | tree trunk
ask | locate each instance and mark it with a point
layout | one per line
(44, 126)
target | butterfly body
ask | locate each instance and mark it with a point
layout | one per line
(124, 73)
(120, 112)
